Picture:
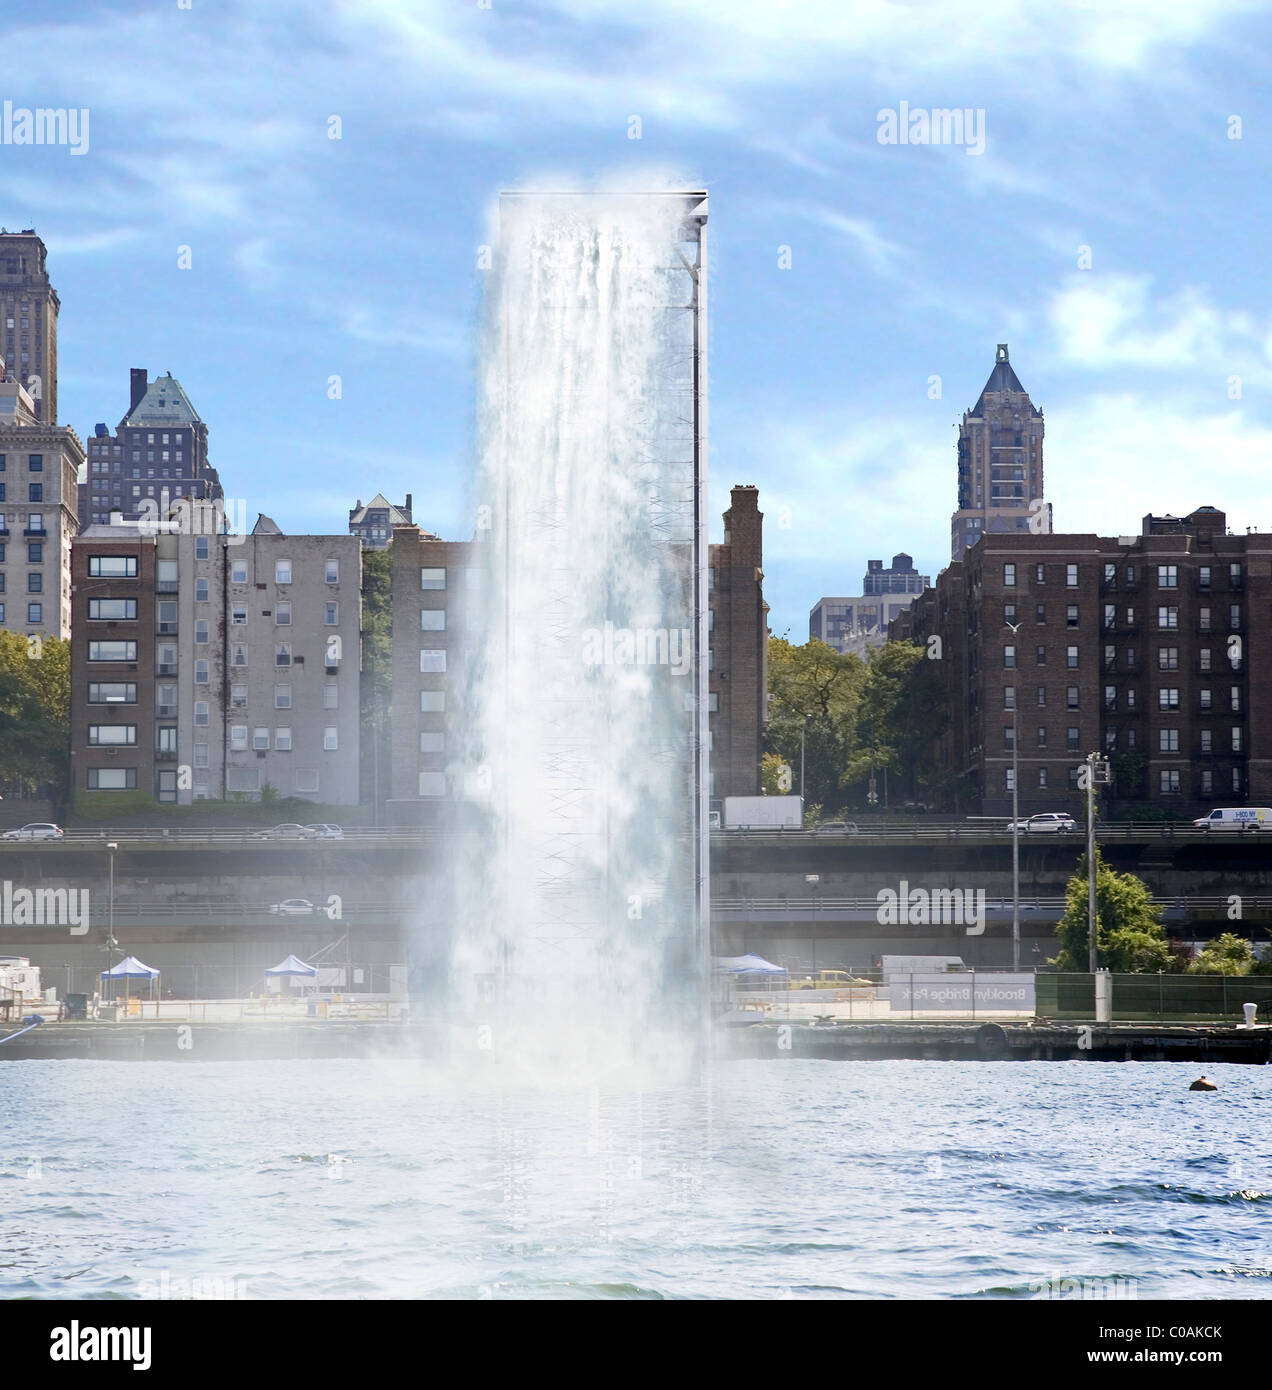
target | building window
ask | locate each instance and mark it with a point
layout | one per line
(112, 651)
(282, 613)
(112, 609)
(238, 615)
(1234, 575)
(35, 493)
(1203, 577)
(282, 572)
(282, 654)
(432, 741)
(1168, 658)
(238, 572)
(1071, 697)
(260, 739)
(1204, 699)
(1071, 576)
(201, 630)
(1071, 615)
(200, 713)
(1168, 740)
(1203, 659)
(1071, 737)
(201, 672)
(1168, 697)
(166, 739)
(1042, 735)
(333, 572)
(238, 738)
(1040, 656)
(330, 740)
(111, 693)
(1130, 697)
(1110, 657)
(1110, 615)
(238, 697)
(331, 616)
(282, 739)
(282, 697)
(436, 578)
(1206, 741)
(1168, 576)
(1009, 778)
(1042, 778)
(200, 755)
(200, 591)
(238, 654)
(432, 701)
(1009, 658)
(35, 553)
(112, 779)
(112, 566)
(1236, 738)
(1042, 696)
(1234, 617)
(330, 696)
(112, 734)
(1040, 574)
(1169, 781)
(1040, 613)
(200, 547)
(1168, 618)
(1009, 697)
(432, 620)
(1203, 619)
(434, 659)
(1071, 658)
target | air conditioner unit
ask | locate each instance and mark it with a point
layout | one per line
(112, 752)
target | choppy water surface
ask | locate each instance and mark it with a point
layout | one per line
(785, 1179)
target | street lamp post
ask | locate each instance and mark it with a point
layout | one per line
(1015, 822)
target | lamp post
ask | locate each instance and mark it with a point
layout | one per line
(1015, 821)
(111, 847)
(1097, 770)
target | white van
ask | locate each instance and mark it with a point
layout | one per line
(1237, 818)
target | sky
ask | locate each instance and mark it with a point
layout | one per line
(1107, 227)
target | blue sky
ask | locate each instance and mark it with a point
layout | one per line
(1107, 127)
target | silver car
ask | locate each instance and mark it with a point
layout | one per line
(35, 830)
(288, 831)
(326, 831)
(294, 907)
(1053, 821)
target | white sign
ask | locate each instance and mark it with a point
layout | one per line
(954, 993)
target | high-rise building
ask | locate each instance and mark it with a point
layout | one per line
(29, 307)
(39, 464)
(1144, 649)
(374, 523)
(1000, 482)
(159, 453)
(860, 621)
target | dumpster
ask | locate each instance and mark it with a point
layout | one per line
(77, 1006)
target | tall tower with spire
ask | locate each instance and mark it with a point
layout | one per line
(999, 462)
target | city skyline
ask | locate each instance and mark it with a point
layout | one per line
(306, 261)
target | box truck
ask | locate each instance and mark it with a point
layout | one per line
(763, 812)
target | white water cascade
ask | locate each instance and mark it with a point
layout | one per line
(577, 913)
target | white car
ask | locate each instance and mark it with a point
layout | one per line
(326, 831)
(294, 907)
(288, 831)
(36, 830)
(1054, 821)
(837, 827)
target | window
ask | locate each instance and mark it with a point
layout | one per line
(1042, 735)
(1071, 615)
(1071, 697)
(1071, 658)
(1168, 698)
(1042, 696)
(201, 632)
(436, 579)
(238, 654)
(282, 697)
(1207, 782)
(432, 782)
(200, 547)
(1203, 619)
(166, 700)
(1204, 698)
(1169, 781)
(1040, 574)
(1167, 576)
(1168, 658)
(1110, 740)
(1040, 613)
(1110, 697)
(111, 693)
(112, 779)
(112, 651)
(432, 620)
(35, 552)
(1131, 739)
(282, 739)
(282, 572)
(1009, 697)
(1130, 574)
(432, 660)
(1110, 615)
(116, 734)
(1168, 740)
(260, 739)
(200, 713)
(330, 740)
(1130, 697)
(1110, 657)
(113, 609)
(1009, 776)
(238, 572)
(238, 615)
(35, 463)
(201, 672)
(282, 613)
(333, 572)
(1168, 617)
(1234, 575)
(282, 654)
(330, 696)
(1234, 617)
(1071, 737)
(200, 591)
(1236, 738)
(200, 755)
(1042, 777)
(432, 701)
(238, 737)
(35, 493)
(112, 566)
(242, 779)
(1203, 577)
(432, 741)
(1009, 658)
(1207, 744)
(1130, 618)
(1040, 656)
(1234, 698)
(166, 739)
(238, 697)
(35, 582)
(1203, 659)
(331, 616)
(1071, 576)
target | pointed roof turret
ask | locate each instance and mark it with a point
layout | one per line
(1002, 378)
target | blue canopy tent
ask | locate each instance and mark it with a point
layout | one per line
(747, 965)
(292, 966)
(130, 968)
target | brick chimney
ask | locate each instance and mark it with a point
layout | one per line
(138, 384)
(744, 527)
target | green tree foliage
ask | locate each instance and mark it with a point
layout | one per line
(814, 689)
(903, 708)
(1228, 954)
(35, 713)
(1129, 935)
(377, 670)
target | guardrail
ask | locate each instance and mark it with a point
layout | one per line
(995, 831)
(212, 835)
(777, 907)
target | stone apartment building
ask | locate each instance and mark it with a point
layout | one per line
(857, 623)
(1152, 650)
(39, 464)
(29, 307)
(240, 659)
(373, 523)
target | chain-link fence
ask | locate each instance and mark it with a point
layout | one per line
(1156, 997)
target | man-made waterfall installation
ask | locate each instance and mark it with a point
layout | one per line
(577, 914)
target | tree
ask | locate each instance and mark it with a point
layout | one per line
(903, 709)
(35, 713)
(816, 691)
(377, 670)
(1228, 954)
(1128, 932)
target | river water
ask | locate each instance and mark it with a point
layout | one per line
(779, 1179)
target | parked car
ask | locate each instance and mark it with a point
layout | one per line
(1053, 821)
(325, 831)
(35, 830)
(837, 827)
(294, 907)
(1236, 818)
(288, 831)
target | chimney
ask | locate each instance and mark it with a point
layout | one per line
(407, 508)
(138, 382)
(743, 524)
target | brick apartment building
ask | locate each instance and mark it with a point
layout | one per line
(1154, 650)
